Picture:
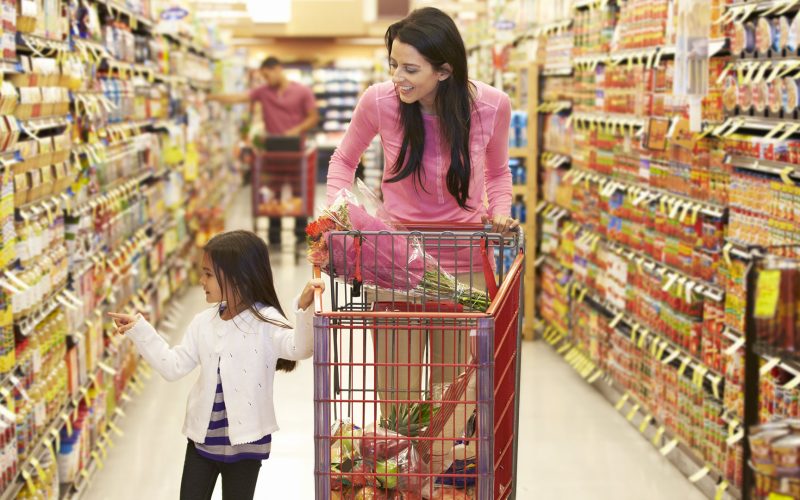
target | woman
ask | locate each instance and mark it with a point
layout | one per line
(443, 135)
(445, 141)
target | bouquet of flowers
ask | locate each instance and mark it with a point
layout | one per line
(382, 258)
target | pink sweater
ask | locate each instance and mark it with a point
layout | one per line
(378, 112)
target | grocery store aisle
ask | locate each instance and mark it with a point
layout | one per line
(573, 444)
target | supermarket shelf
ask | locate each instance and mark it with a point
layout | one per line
(587, 4)
(701, 287)
(789, 361)
(552, 211)
(650, 56)
(777, 128)
(554, 106)
(8, 66)
(662, 349)
(115, 6)
(712, 383)
(18, 484)
(85, 45)
(519, 190)
(551, 27)
(683, 457)
(188, 45)
(644, 193)
(555, 160)
(776, 7)
(36, 125)
(609, 119)
(590, 60)
(172, 79)
(781, 169)
(28, 323)
(551, 261)
(51, 204)
(558, 71)
(740, 251)
(757, 68)
(35, 43)
(518, 152)
(125, 189)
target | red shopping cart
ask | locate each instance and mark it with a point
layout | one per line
(416, 381)
(283, 182)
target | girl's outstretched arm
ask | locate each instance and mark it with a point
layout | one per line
(299, 343)
(172, 363)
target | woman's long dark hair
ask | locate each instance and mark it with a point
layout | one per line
(435, 36)
(241, 261)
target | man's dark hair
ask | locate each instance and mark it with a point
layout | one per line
(270, 62)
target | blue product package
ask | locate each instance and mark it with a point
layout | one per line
(513, 164)
(522, 139)
(521, 175)
(460, 467)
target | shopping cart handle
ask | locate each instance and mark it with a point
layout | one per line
(488, 229)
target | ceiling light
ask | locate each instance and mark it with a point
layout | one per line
(274, 11)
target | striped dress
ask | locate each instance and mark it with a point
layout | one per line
(217, 445)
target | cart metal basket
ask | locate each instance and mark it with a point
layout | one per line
(416, 390)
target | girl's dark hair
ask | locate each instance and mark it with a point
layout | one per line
(435, 36)
(241, 260)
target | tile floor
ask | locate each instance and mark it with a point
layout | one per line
(573, 444)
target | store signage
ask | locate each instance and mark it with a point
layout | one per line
(174, 14)
(505, 25)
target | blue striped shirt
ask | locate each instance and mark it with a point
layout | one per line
(217, 445)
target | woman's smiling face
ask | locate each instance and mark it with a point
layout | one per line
(414, 78)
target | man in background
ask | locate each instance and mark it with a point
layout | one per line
(288, 109)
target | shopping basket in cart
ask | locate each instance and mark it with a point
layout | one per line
(415, 394)
(283, 182)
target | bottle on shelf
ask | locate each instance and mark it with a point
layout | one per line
(519, 210)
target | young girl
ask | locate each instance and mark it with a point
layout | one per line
(238, 344)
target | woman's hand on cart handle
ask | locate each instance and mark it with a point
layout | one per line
(314, 288)
(500, 223)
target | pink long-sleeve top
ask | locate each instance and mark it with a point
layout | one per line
(378, 113)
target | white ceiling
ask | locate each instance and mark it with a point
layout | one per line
(312, 18)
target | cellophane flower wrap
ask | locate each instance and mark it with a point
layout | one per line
(387, 260)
